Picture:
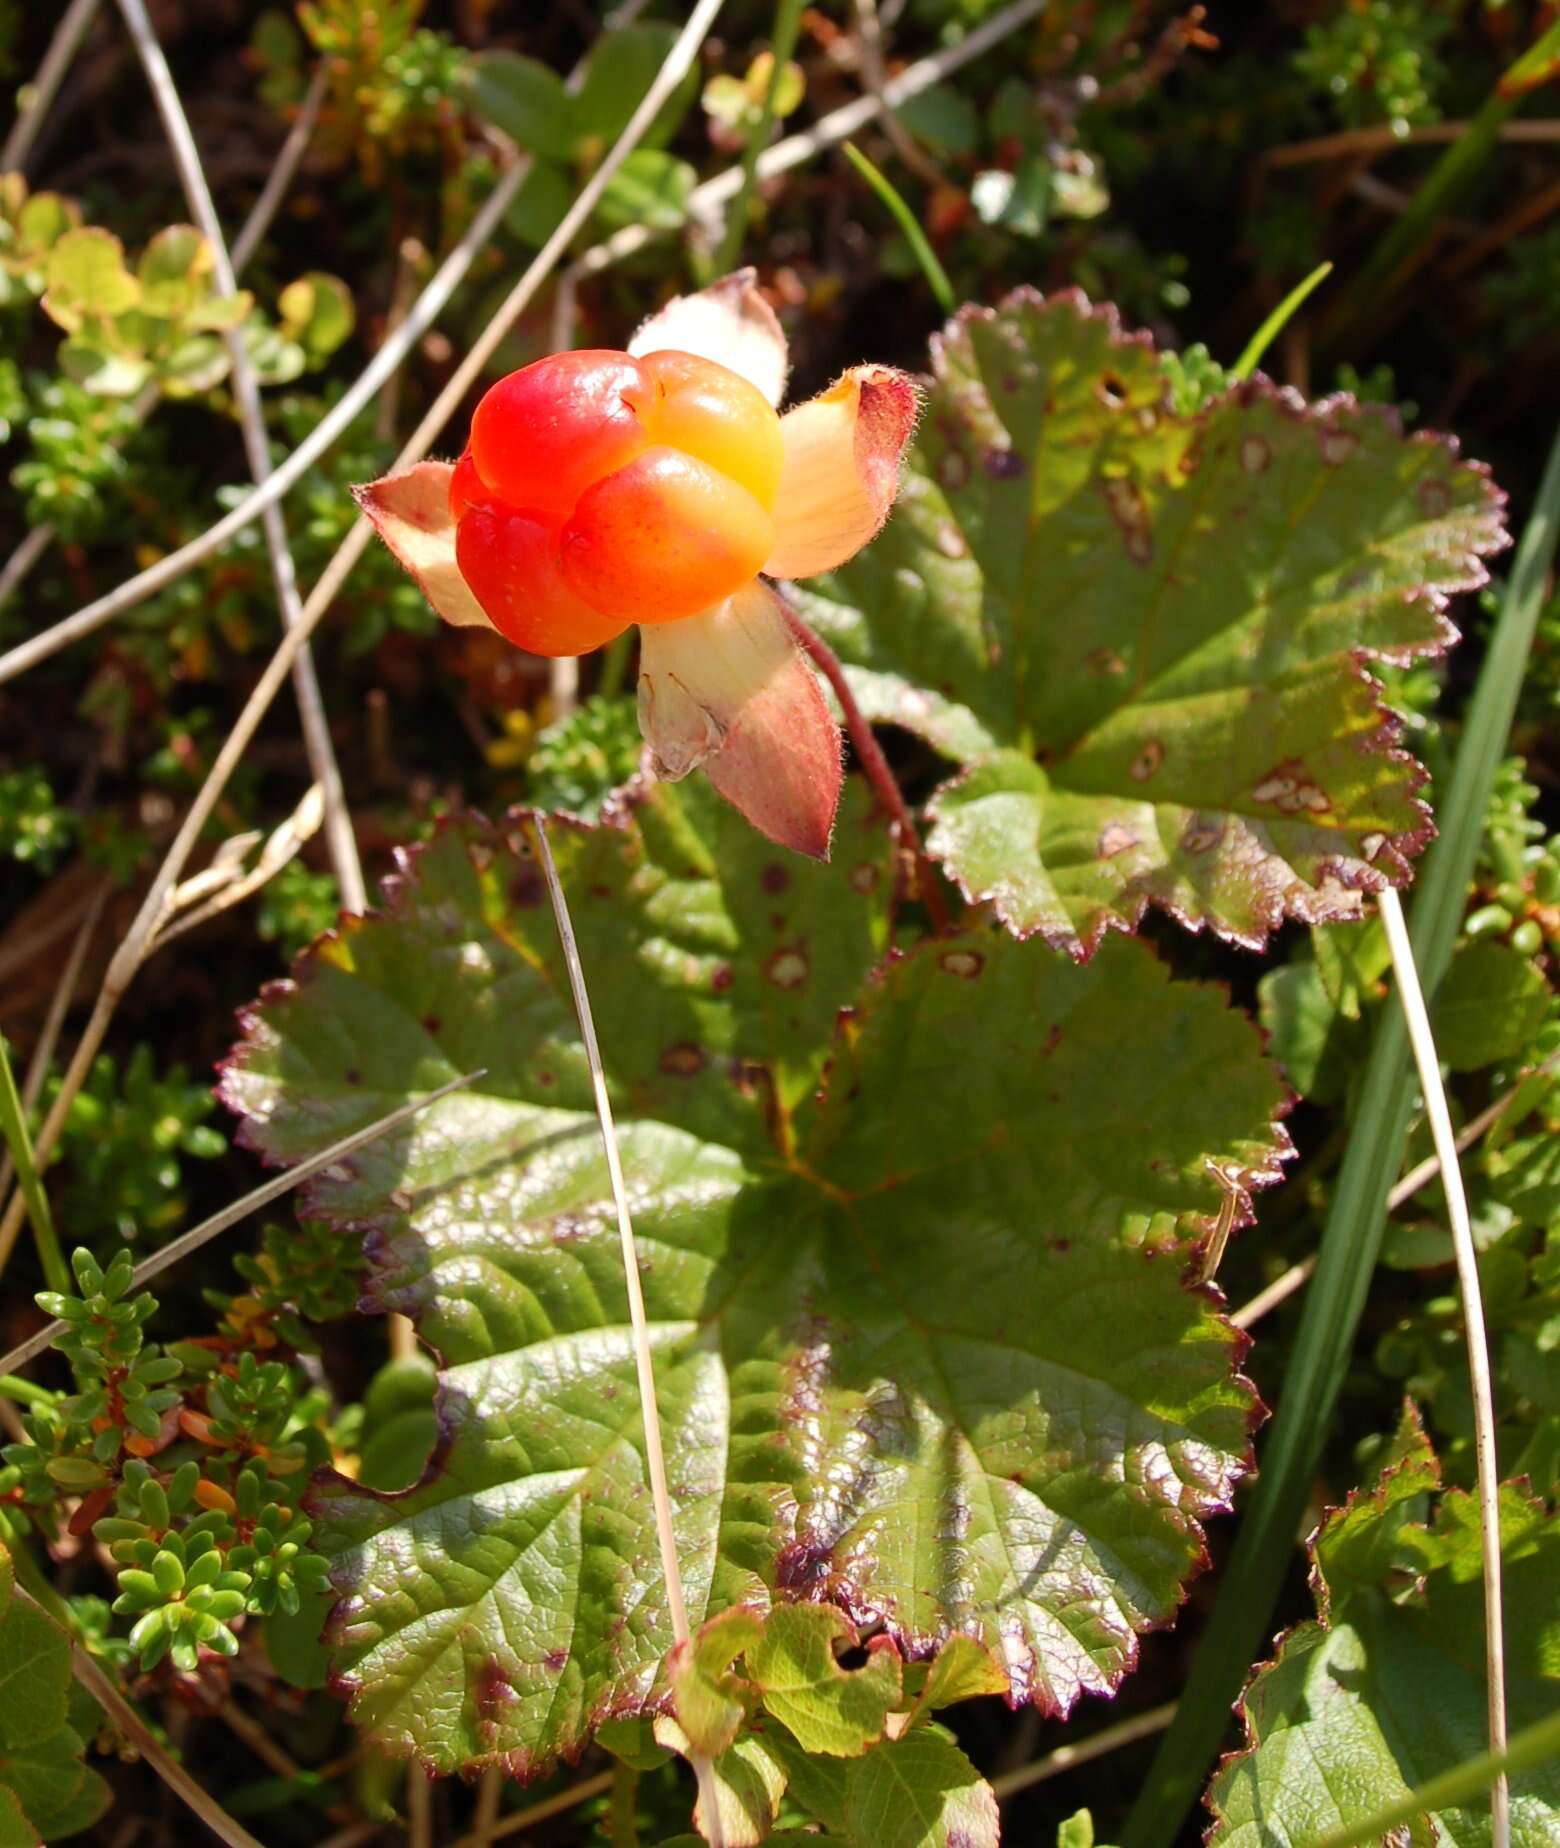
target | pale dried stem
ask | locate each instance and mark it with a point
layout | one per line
(1065, 1757)
(38, 95)
(1282, 1288)
(20, 563)
(419, 1807)
(490, 1793)
(280, 177)
(254, 228)
(129, 1725)
(1383, 140)
(403, 292)
(874, 71)
(655, 1459)
(539, 1812)
(318, 746)
(251, 1202)
(1423, 1041)
(259, 1741)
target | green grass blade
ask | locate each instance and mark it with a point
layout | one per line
(915, 237)
(1413, 235)
(1276, 322)
(1533, 1746)
(788, 24)
(1347, 1256)
(18, 1139)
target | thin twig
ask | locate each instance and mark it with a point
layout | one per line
(1281, 1288)
(38, 95)
(874, 765)
(129, 1725)
(318, 746)
(655, 1459)
(874, 73)
(419, 1807)
(280, 177)
(1422, 1039)
(1384, 139)
(20, 563)
(490, 1793)
(259, 1741)
(540, 1812)
(251, 1202)
(1108, 1739)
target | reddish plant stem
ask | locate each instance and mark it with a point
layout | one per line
(874, 765)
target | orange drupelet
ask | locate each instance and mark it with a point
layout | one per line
(599, 490)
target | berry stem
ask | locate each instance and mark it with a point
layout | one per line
(874, 765)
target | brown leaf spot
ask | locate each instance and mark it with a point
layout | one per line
(1434, 496)
(1289, 787)
(684, 1060)
(1147, 761)
(803, 1567)
(1053, 1039)
(721, 979)
(492, 1689)
(774, 877)
(787, 967)
(1201, 835)
(527, 889)
(1256, 452)
(950, 541)
(966, 964)
(1004, 464)
(1105, 661)
(353, 1075)
(431, 1023)
(1127, 508)
(1114, 839)
(953, 469)
(864, 878)
(1336, 445)
(1111, 390)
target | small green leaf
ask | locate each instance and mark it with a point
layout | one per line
(87, 279)
(710, 1707)
(632, 1742)
(317, 311)
(1488, 1007)
(104, 373)
(920, 1792)
(527, 101)
(650, 188)
(749, 1782)
(961, 1670)
(943, 116)
(537, 210)
(620, 69)
(838, 1712)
